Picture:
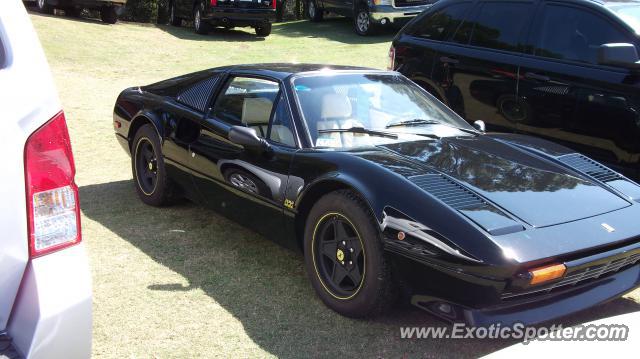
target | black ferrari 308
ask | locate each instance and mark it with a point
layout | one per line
(386, 191)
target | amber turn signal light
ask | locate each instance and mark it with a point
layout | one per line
(546, 273)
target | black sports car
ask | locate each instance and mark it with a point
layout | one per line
(387, 191)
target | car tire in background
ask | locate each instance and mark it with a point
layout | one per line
(173, 19)
(201, 27)
(109, 14)
(343, 245)
(263, 30)
(362, 21)
(44, 7)
(314, 12)
(149, 173)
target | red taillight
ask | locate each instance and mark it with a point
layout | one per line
(53, 209)
(214, 2)
(273, 4)
(392, 58)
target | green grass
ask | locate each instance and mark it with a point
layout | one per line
(182, 281)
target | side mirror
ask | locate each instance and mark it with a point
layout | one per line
(247, 137)
(621, 55)
(480, 126)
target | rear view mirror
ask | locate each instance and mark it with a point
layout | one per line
(620, 55)
(247, 137)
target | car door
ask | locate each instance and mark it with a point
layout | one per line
(244, 184)
(477, 68)
(416, 54)
(181, 120)
(573, 99)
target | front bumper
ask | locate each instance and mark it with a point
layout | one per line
(221, 16)
(589, 281)
(395, 15)
(51, 317)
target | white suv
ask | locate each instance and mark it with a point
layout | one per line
(45, 282)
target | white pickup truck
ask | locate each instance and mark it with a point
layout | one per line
(45, 282)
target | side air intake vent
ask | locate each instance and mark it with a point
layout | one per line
(590, 167)
(448, 191)
(197, 96)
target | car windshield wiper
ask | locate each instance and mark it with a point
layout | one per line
(360, 130)
(414, 122)
(420, 121)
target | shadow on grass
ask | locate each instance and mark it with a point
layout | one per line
(336, 29)
(264, 286)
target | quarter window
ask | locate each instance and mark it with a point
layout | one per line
(500, 25)
(281, 130)
(443, 22)
(574, 34)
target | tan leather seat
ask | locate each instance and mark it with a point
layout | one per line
(256, 113)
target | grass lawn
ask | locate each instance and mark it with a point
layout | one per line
(183, 281)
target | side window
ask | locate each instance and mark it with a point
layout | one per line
(500, 25)
(574, 34)
(281, 129)
(247, 101)
(440, 24)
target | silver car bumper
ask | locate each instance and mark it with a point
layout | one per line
(391, 14)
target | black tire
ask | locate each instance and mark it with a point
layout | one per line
(173, 19)
(375, 291)
(314, 12)
(362, 21)
(109, 15)
(246, 182)
(44, 7)
(263, 30)
(515, 109)
(73, 11)
(154, 190)
(201, 27)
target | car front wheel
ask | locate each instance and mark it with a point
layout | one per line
(362, 22)
(344, 256)
(150, 176)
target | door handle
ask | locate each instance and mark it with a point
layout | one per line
(534, 76)
(449, 60)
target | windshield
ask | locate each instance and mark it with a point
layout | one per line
(338, 106)
(630, 14)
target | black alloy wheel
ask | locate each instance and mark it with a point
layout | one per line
(338, 255)
(152, 184)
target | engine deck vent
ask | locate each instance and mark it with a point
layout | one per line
(590, 167)
(448, 191)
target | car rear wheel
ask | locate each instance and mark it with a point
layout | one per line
(362, 22)
(109, 15)
(263, 30)
(344, 256)
(44, 7)
(173, 19)
(200, 26)
(150, 176)
(314, 12)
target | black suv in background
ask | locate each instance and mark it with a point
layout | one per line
(567, 70)
(368, 15)
(206, 14)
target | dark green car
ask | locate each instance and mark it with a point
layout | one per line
(109, 9)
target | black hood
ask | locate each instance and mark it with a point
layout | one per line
(538, 191)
